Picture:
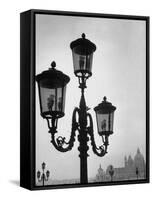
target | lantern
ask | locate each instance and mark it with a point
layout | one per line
(52, 89)
(105, 117)
(47, 173)
(82, 52)
(38, 174)
(43, 165)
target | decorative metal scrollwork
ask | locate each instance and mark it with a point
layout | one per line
(101, 150)
(60, 142)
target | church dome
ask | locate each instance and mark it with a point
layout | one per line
(139, 159)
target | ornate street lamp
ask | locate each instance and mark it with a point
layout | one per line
(111, 172)
(52, 88)
(42, 177)
(82, 52)
(105, 117)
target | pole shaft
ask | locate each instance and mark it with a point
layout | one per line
(43, 177)
(83, 139)
(43, 180)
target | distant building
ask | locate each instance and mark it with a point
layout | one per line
(132, 169)
(101, 174)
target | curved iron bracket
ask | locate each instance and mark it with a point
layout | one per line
(43, 177)
(60, 141)
(101, 150)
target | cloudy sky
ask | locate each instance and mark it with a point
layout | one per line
(118, 73)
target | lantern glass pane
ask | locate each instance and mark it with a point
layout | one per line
(105, 122)
(64, 97)
(82, 62)
(52, 99)
(102, 122)
(111, 121)
(47, 99)
(59, 99)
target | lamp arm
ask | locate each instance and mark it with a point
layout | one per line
(101, 150)
(46, 179)
(40, 179)
(59, 142)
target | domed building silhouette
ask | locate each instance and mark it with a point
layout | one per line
(100, 175)
(133, 169)
(139, 160)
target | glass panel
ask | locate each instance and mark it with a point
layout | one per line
(89, 59)
(64, 97)
(47, 99)
(82, 62)
(52, 98)
(102, 122)
(111, 121)
(59, 99)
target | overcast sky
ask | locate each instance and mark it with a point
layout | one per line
(118, 73)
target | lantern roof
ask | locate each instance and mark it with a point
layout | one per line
(105, 107)
(53, 77)
(86, 46)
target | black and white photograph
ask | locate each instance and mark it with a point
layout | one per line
(76, 113)
(90, 100)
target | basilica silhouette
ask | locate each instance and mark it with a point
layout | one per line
(134, 168)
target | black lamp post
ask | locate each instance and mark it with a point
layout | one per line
(111, 172)
(52, 89)
(42, 177)
(137, 172)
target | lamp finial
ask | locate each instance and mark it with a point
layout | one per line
(105, 98)
(53, 64)
(83, 35)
